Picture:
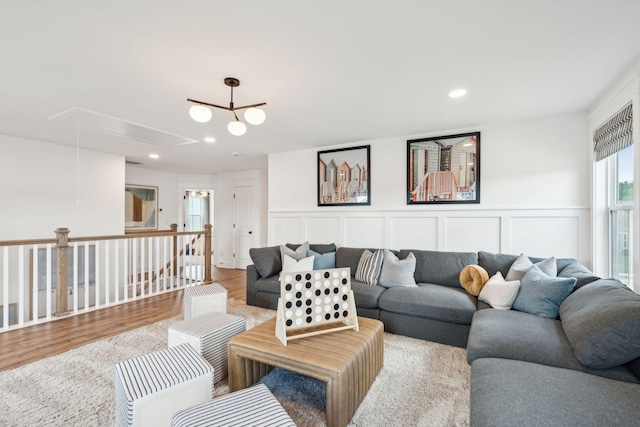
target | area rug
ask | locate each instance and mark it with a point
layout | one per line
(421, 383)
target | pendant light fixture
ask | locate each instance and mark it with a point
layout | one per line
(253, 115)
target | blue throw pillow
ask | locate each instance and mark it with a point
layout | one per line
(541, 294)
(323, 261)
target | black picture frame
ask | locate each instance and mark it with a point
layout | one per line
(344, 177)
(444, 169)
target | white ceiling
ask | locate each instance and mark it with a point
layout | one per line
(330, 71)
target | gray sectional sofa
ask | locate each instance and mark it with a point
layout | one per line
(581, 368)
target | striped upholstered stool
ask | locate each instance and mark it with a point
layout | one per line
(209, 334)
(202, 299)
(152, 387)
(254, 406)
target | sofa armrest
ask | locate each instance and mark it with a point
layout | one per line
(252, 277)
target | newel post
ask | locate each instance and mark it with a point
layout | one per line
(207, 252)
(62, 274)
(174, 229)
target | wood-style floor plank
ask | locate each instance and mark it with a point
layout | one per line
(27, 345)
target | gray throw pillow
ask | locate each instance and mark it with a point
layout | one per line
(602, 322)
(323, 261)
(298, 254)
(542, 295)
(397, 272)
(267, 260)
(521, 265)
(580, 272)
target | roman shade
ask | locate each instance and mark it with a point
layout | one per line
(615, 134)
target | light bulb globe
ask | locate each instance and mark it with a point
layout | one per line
(236, 128)
(200, 113)
(255, 116)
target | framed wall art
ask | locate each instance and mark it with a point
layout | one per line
(344, 177)
(140, 207)
(444, 169)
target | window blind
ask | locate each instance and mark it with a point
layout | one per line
(615, 134)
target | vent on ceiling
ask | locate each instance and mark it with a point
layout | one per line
(131, 162)
(85, 119)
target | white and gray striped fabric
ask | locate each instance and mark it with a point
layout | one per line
(253, 406)
(369, 266)
(212, 331)
(154, 372)
(191, 293)
(615, 134)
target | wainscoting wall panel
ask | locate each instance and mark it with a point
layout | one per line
(561, 232)
(414, 233)
(470, 233)
(531, 235)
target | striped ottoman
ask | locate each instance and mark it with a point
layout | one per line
(151, 388)
(204, 299)
(209, 334)
(254, 406)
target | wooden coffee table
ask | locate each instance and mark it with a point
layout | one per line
(348, 361)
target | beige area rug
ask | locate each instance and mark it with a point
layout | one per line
(421, 383)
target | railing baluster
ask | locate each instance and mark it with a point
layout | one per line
(21, 270)
(36, 283)
(76, 267)
(5, 288)
(116, 277)
(107, 285)
(134, 260)
(150, 267)
(48, 273)
(125, 269)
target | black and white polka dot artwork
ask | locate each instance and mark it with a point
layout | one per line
(311, 298)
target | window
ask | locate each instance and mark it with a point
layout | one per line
(197, 210)
(621, 215)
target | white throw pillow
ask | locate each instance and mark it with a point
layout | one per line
(292, 265)
(499, 293)
(521, 265)
(397, 272)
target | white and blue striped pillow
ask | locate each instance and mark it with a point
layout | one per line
(369, 266)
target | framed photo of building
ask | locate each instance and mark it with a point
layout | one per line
(140, 207)
(444, 169)
(344, 177)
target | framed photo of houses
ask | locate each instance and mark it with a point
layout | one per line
(444, 169)
(140, 207)
(344, 177)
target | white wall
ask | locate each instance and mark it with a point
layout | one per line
(535, 196)
(40, 190)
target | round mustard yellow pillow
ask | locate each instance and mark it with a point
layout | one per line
(472, 278)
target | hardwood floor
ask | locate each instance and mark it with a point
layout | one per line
(37, 342)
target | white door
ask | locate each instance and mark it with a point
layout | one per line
(245, 226)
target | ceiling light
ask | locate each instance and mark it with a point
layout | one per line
(253, 115)
(200, 113)
(457, 93)
(209, 139)
(154, 156)
(237, 128)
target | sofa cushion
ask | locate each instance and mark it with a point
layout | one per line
(430, 301)
(541, 294)
(472, 278)
(323, 261)
(507, 393)
(522, 264)
(267, 260)
(499, 293)
(509, 334)
(366, 296)
(583, 275)
(442, 268)
(269, 284)
(602, 322)
(396, 271)
(369, 266)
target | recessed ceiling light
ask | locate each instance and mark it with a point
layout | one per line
(154, 156)
(235, 153)
(209, 139)
(457, 93)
